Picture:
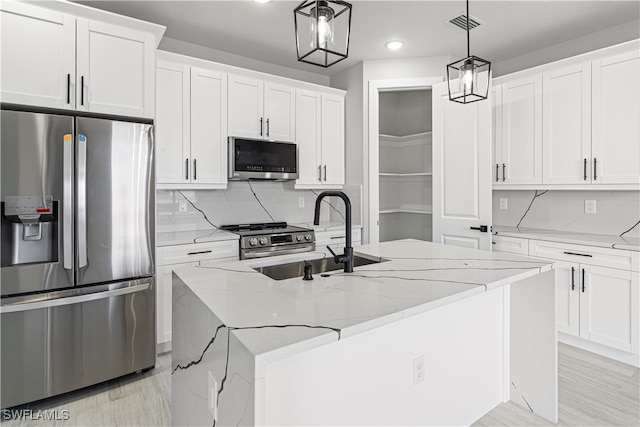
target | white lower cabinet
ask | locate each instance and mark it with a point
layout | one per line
(597, 290)
(170, 258)
(336, 239)
(594, 301)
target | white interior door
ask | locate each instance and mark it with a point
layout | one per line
(461, 171)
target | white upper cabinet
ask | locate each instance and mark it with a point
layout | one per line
(308, 137)
(172, 123)
(114, 69)
(567, 125)
(573, 123)
(279, 112)
(208, 127)
(320, 137)
(496, 133)
(332, 140)
(522, 131)
(259, 109)
(38, 48)
(58, 60)
(615, 125)
(191, 127)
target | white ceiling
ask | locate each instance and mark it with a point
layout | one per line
(265, 32)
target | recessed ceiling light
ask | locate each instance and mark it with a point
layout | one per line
(394, 44)
(262, 1)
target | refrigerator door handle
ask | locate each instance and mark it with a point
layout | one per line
(67, 203)
(81, 199)
(35, 302)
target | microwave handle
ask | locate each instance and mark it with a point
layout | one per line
(237, 153)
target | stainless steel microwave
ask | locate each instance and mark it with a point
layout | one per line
(260, 159)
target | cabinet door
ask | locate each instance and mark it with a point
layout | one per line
(609, 305)
(615, 110)
(164, 300)
(332, 129)
(567, 125)
(115, 70)
(279, 112)
(172, 118)
(496, 130)
(308, 137)
(245, 107)
(38, 50)
(568, 297)
(522, 131)
(208, 127)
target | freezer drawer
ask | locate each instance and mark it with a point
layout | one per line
(62, 341)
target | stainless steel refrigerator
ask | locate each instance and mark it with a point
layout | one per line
(78, 291)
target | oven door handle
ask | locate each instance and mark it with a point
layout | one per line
(262, 254)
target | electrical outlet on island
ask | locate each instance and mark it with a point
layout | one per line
(589, 206)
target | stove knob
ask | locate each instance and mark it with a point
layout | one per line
(253, 241)
(263, 241)
(307, 237)
(299, 237)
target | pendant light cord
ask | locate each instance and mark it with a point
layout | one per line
(468, 39)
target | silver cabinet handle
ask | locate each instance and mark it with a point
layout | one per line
(320, 173)
(504, 173)
(74, 297)
(195, 170)
(497, 172)
(325, 173)
(260, 126)
(585, 169)
(81, 200)
(67, 203)
(267, 127)
(595, 169)
(81, 90)
(573, 280)
(186, 169)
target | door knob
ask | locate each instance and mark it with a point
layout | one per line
(482, 228)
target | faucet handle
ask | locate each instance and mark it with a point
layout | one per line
(332, 253)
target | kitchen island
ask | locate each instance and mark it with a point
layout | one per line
(433, 335)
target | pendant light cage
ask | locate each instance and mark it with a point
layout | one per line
(322, 31)
(468, 79)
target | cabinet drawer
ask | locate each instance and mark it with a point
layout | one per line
(197, 252)
(589, 255)
(337, 236)
(512, 245)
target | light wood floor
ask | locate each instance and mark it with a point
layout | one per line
(594, 391)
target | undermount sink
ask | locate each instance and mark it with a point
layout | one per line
(318, 266)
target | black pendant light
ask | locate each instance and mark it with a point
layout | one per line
(468, 78)
(322, 31)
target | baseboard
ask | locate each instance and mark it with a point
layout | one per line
(602, 350)
(163, 347)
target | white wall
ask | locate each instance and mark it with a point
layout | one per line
(588, 43)
(616, 211)
(197, 51)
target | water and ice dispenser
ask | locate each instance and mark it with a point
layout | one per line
(29, 230)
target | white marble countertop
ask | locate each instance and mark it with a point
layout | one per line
(194, 236)
(600, 240)
(325, 225)
(417, 277)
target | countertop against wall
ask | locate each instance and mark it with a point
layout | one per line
(193, 236)
(600, 240)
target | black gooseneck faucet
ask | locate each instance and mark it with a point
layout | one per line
(347, 257)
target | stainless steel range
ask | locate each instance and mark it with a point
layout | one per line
(271, 239)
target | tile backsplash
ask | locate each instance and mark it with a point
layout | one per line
(273, 201)
(616, 211)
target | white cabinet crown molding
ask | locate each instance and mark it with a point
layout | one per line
(89, 12)
(229, 69)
